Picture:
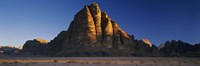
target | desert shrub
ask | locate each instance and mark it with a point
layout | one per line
(197, 63)
(10, 62)
(86, 62)
(185, 62)
(4, 62)
(131, 61)
(154, 61)
(108, 62)
(72, 61)
(141, 62)
(55, 61)
(15, 62)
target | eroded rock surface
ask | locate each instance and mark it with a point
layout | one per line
(92, 28)
(34, 47)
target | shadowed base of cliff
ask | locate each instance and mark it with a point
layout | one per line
(94, 52)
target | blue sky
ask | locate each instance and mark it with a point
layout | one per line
(156, 20)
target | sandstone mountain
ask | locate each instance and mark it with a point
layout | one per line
(93, 33)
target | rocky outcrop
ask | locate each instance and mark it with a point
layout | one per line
(55, 45)
(82, 31)
(34, 47)
(107, 30)
(146, 41)
(196, 52)
(179, 49)
(145, 48)
(121, 39)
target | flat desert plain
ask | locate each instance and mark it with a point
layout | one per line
(99, 61)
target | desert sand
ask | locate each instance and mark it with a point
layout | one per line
(99, 61)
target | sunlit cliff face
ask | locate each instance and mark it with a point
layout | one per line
(41, 41)
(147, 42)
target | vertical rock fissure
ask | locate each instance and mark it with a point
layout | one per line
(114, 37)
(93, 16)
(102, 33)
(121, 40)
(96, 15)
(103, 27)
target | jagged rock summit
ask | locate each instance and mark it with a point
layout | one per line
(92, 30)
(179, 48)
(146, 41)
(42, 41)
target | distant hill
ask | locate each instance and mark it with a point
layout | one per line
(9, 50)
(179, 48)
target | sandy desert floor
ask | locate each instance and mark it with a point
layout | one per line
(99, 61)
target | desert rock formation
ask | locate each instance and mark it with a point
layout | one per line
(93, 33)
(34, 47)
